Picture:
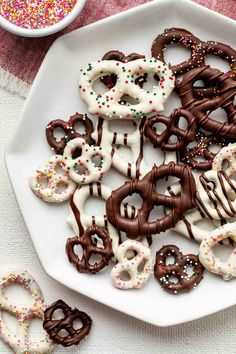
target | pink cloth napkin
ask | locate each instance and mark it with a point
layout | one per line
(20, 58)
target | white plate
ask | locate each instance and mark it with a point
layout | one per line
(54, 94)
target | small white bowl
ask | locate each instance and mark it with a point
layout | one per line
(7, 25)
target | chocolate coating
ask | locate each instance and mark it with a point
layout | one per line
(184, 136)
(146, 188)
(89, 248)
(223, 51)
(202, 109)
(53, 326)
(110, 80)
(163, 272)
(185, 39)
(69, 130)
(200, 157)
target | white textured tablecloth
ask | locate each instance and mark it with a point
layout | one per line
(112, 332)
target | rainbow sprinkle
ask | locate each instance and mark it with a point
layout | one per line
(35, 14)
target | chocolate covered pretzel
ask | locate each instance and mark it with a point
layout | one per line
(223, 51)
(183, 38)
(69, 128)
(90, 247)
(202, 109)
(54, 326)
(110, 80)
(146, 188)
(164, 272)
(200, 157)
(162, 140)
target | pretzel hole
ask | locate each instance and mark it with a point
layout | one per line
(218, 115)
(77, 324)
(169, 260)
(59, 170)
(225, 164)
(162, 185)
(79, 128)
(156, 213)
(16, 293)
(78, 251)
(175, 54)
(214, 148)
(211, 186)
(99, 88)
(134, 200)
(182, 123)
(95, 258)
(119, 127)
(192, 144)
(97, 241)
(125, 276)
(10, 321)
(128, 100)
(217, 62)
(58, 134)
(141, 266)
(43, 181)
(81, 170)
(36, 331)
(77, 152)
(173, 139)
(199, 83)
(159, 128)
(97, 160)
(58, 314)
(172, 279)
(63, 333)
(130, 254)
(151, 83)
(200, 159)
(61, 188)
(189, 270)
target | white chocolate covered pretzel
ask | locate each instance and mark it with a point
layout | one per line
(216, 195)
(109, 105)
(19, 342)
(136, 168)
(137, 277)
(226, 155)
(46, 181)
(189, 225)
(89, 166)
(209, 260)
